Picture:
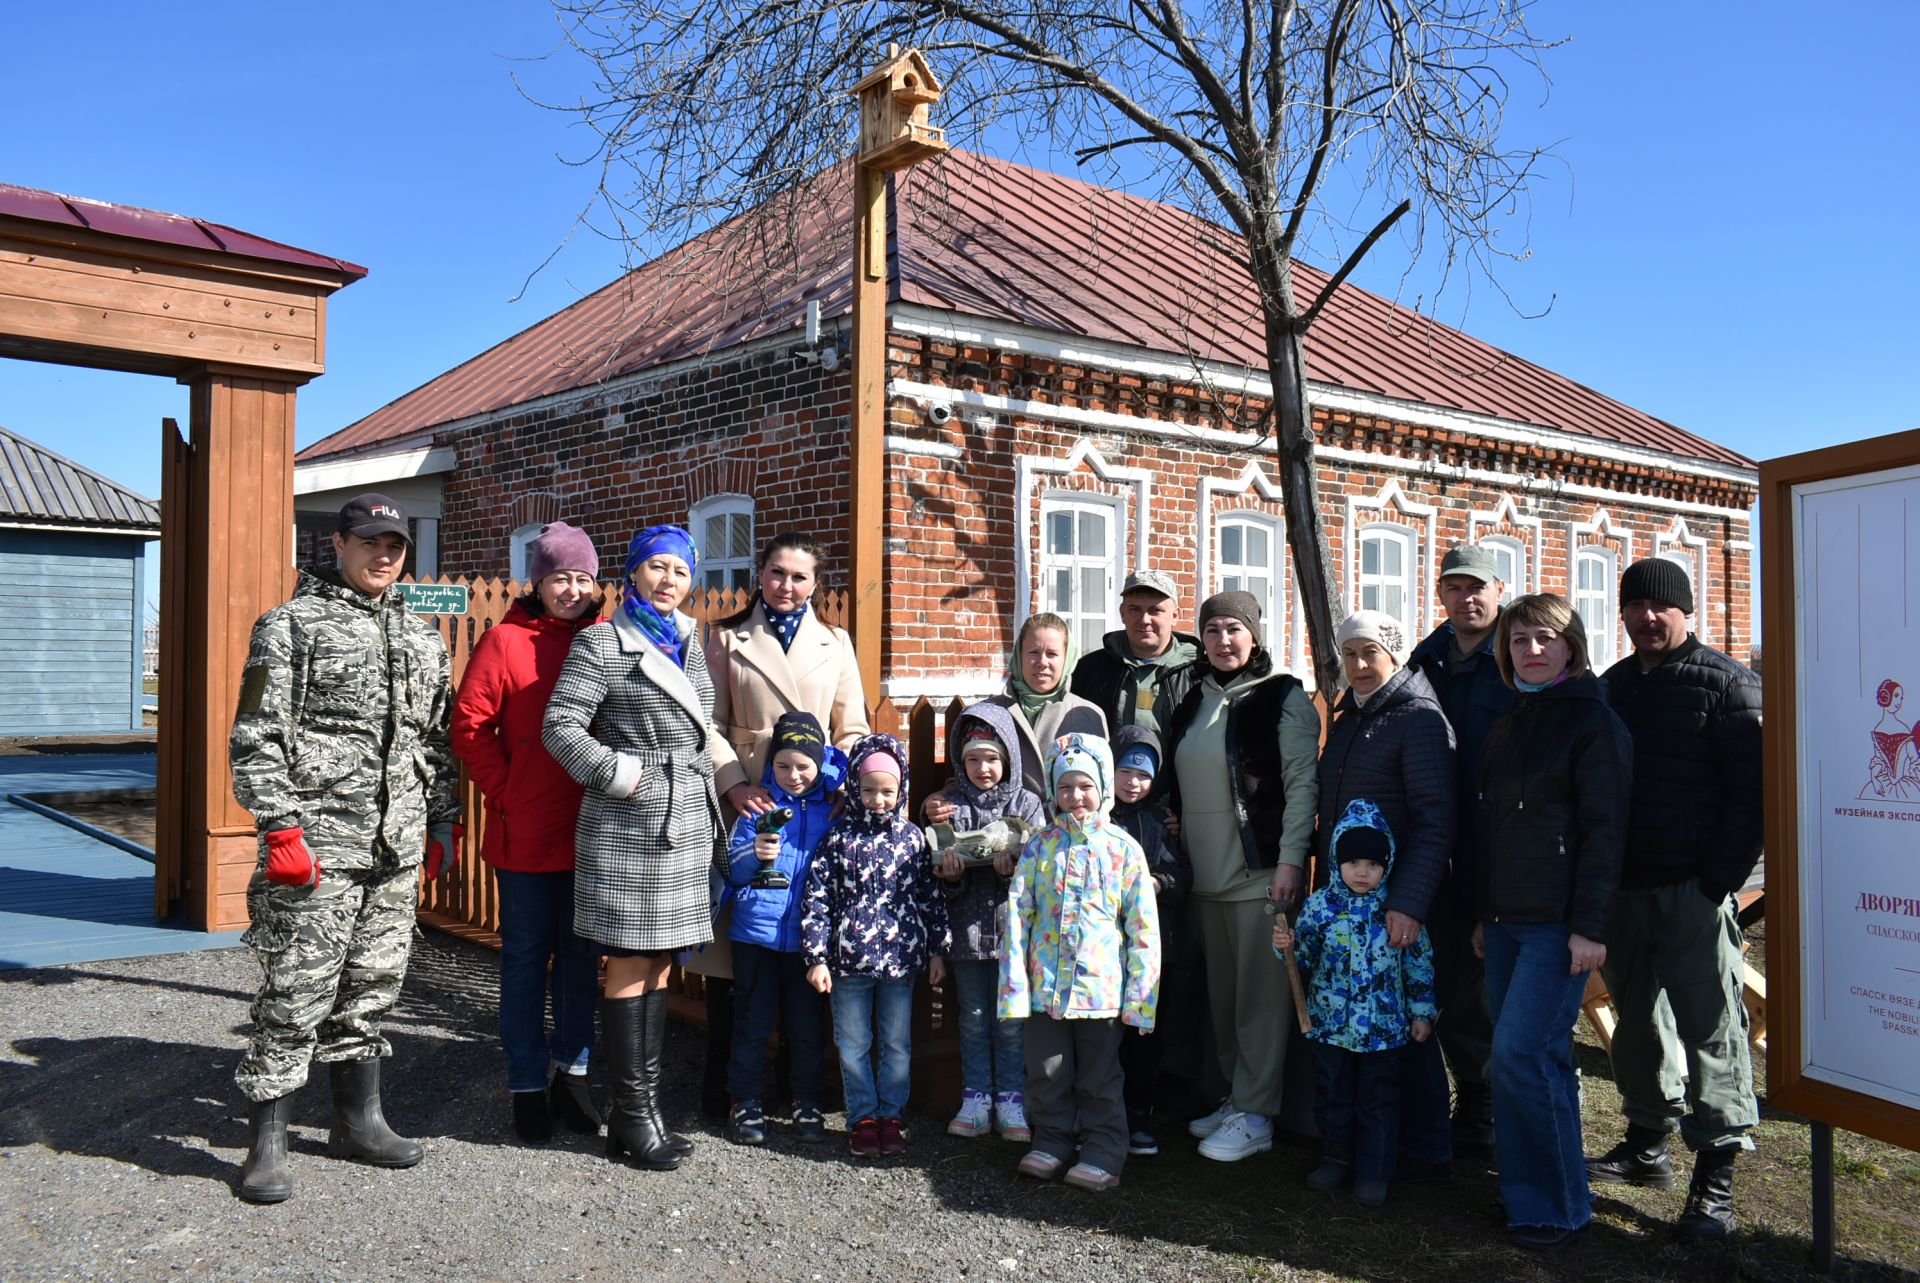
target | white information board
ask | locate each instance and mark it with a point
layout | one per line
(1857, 686)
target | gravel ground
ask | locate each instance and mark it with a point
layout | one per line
(121, 1132)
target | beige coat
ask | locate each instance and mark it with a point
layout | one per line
(754, 682)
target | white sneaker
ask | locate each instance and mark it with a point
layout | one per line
(1241, 1136)
(975, 1117)
(1208, 1124)
(1010, 1116)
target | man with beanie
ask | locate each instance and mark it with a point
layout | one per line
(1458, 662)
(1140, 673)
(1693, 836)
(339, 748)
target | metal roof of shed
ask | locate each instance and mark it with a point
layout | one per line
(40, 487)
(997, 241)
(159, 227)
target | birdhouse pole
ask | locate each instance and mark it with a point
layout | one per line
(894, 134)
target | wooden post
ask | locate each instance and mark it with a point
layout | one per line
(894, 134)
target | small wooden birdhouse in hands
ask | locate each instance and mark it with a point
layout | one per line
(894, 98)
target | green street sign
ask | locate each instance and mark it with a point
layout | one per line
(436, 599)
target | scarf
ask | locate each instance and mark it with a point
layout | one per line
(1032, 701)
(658, 628)
(785, 623)
(1531, 688)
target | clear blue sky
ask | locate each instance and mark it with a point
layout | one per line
(1729, 244)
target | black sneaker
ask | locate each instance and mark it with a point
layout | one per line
(1142, 1143)
(809, 1125)
(746, 1125)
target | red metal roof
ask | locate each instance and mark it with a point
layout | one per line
(997, 241)
(162, 228)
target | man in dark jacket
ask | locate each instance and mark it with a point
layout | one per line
(1140, 674)
(1458, 661)
(1693, 836)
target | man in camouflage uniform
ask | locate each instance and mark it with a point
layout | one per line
(340, 750)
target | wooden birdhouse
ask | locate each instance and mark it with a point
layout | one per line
(894, 98)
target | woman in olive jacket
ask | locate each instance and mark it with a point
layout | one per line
(1555, 777)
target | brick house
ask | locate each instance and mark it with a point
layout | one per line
(1071, 375)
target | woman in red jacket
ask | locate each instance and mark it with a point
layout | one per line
(532, 807)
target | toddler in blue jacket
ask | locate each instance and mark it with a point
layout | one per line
(1368, 1001)
(804, 774)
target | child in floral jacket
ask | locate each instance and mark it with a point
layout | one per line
(873, 921)
(1367, 1000)
(1081, 959)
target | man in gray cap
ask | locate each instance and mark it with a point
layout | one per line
(1138, 676)
(1458, 660)
(339, 748)
(1694, 831)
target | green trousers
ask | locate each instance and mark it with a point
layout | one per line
(1251, 1004)
(1673, 941)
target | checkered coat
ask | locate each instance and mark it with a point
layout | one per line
(637, 732)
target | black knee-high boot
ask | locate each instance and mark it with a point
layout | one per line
(653, 1047)
(631, 1129)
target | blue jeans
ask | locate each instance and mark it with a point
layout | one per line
(1357, 1105)
(866, 1008)
(992, 1050)
(540, 954)
(1536, 1094)
(768, 983)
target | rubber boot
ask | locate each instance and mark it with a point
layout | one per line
(1709, 1210)
(360, 1130)
(1641, 1159)
(653, 1047)
(266, 1176)
(631, 1132)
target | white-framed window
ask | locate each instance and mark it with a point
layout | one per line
(722, 529)
(1596, 579)
(1510, 556)
(1684, 559)
(1080, 567)
(1385, 579)
(517, 549)
(1247, 559)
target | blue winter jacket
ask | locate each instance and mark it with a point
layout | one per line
(771, 917)
(1362, 993)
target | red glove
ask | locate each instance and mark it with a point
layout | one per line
(444, 844)
(289, 862)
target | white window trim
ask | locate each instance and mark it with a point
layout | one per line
(1027, 470)
(728, 503)
(1517, 586)
(1273, 608)
(1412, 581)
(517, 549)
(1392, 497)
(1679, 540)
(1507, 513)
(1600, 659)
(1254, 478)
(1071, 500)
(1582, 534)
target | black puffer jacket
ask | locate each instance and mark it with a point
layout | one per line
(1131, 692)
(1396, 751)
(1695, 722)
(1147, 821)
(1556, 779)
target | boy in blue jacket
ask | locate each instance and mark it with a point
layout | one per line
(804, 774)
(1368, 1001)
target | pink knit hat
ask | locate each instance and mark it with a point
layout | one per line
(561, 547)
(879, 764)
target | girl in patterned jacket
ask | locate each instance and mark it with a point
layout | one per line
(873, 921)
(1369, 1002)
(1081, 960)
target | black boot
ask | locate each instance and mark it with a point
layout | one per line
(1641, 1159)
(532, 1117)
(571, 1102)
(654, 1046)
(714, 1101)
(1473, 1118)
(360, 1130)
(1334, 1171)
(631, 1130)
(1709, 1210)
(265, 1177)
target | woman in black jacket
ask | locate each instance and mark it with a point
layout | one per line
(1391, 744)
(1554, 782)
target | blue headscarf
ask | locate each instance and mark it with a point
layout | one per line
(659, 628)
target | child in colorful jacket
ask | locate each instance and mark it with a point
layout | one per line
(1081, 959)
(874, 921)
(804, 774)
(986, 787)
(1367, 1000)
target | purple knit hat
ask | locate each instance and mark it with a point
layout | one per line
(561, 547)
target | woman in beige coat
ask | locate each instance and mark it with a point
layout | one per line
(777, 656)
